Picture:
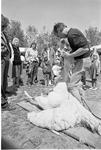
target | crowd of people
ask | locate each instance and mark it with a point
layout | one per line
(11, 63)
(68, 61)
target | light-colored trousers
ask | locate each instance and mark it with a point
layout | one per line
(75, 84)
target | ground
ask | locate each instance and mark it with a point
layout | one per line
(25, 135)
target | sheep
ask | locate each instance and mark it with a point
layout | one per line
(61, 110)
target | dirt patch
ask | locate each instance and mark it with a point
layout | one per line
(25, 135)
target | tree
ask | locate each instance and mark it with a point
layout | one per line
(93, 36)
(14, 30)
(4, 21)
(54, 41)
(31, 34)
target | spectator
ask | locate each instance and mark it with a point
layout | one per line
(94, 69)
(16, 63)
(11, 63)
(46, 60)
(51, 54)
(47, 69)
(80, 50)
(31, 57)
(21, 69)
(44, 53)
(5, 57)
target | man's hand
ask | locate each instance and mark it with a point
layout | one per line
(65, 54)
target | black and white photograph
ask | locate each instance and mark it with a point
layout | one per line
(50, 74)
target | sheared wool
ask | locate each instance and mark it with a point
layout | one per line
(54, 98)
(62, 111)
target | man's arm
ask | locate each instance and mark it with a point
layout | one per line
(78, 52)
(4, 48)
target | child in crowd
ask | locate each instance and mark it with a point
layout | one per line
(46, 70)
(46, 62)
(94, 69)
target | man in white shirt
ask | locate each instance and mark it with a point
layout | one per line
(32, 58)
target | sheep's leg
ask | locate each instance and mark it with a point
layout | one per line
(30, 99)
(90, 120)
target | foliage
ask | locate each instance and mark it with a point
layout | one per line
(43, 39)
(31, 34)
(14, 30)
(4, 21)
(93, 36)
(54, 41)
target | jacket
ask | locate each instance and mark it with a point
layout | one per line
(5, 48)
(17, 59)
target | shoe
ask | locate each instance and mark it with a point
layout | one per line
(91, 88)
(95, 88)
(17, 86)
(7, 107)
(4, 105)
(36, 81)
(8, 92)
(28, 84)
(84, 87)
(20, 81)
(50, 83)
(32, 83)
(14, 88)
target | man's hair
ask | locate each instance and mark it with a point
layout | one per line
(58, 27)
(63, 41)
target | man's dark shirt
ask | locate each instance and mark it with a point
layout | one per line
(77, 40)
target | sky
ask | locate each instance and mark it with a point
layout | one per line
(74, 13)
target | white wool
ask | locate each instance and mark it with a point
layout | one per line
(56, 70)
(63, 111)
(54, 98)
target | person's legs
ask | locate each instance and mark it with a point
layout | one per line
(17, 75)
(83, 79)
(21, 73)
(35, 71)
(14, 85)
(32, 72)
(94, 83)
(52, 76)
(66, 76)
(77, 73)
(3, 76)
(28, 73)
(17, 81)
(75, 85)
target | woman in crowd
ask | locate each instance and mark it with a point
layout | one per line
(16, 63)
(31, 57)
(94, 69)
